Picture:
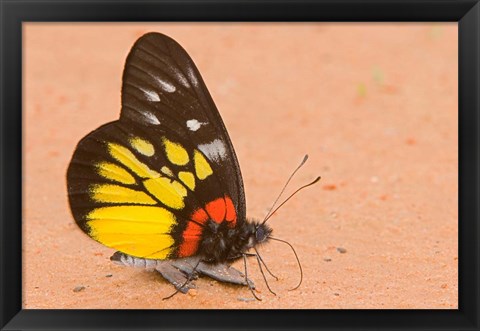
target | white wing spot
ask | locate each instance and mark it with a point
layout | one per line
(167, 87)
(214, 151)
(194, 125)
(152, 119)
(183, 80)
(151, 95)
(192, 77)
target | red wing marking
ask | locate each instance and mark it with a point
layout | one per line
(216, 209)
(219, 210)
(199, 216)
(231, 214)
(192, 234)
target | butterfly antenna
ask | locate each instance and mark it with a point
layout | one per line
(305, 158)
(291, 195)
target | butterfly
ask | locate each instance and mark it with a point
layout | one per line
(163, 183)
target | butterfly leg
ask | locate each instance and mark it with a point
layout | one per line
(224, 273)
(220, 272)
(186, 265)
(178, 289)
(264, 264)
(177, 278)
(260, 261)
(246, 277)
(180, 272)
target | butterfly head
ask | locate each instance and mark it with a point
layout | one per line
(261, 234)
(249, 235)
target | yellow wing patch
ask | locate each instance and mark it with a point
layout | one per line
(137, 225)
(146, 245)
(150, 246)
(141, 231)
(187, 178)
(114, 172)
(142, 146)
(134, 214)
(202, 167)
(169, 192)
(176, 153)
(166, 171)
(126, 157)
(109, 193)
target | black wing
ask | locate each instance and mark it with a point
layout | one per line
(163, 88)
(139, 183)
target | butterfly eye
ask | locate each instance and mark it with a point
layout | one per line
(260, 234)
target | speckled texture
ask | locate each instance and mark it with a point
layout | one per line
(374, 105)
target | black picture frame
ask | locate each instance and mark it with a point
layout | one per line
(14, 13)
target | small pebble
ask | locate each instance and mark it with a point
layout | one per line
(336, 294)
(109, 275)
(78, 289)
(341, 250)
(327, 260)
(192, 292)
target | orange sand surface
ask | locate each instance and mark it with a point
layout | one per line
(375, 107)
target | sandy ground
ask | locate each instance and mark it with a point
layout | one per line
(375, 107)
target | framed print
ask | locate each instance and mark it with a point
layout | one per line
(134, 134)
